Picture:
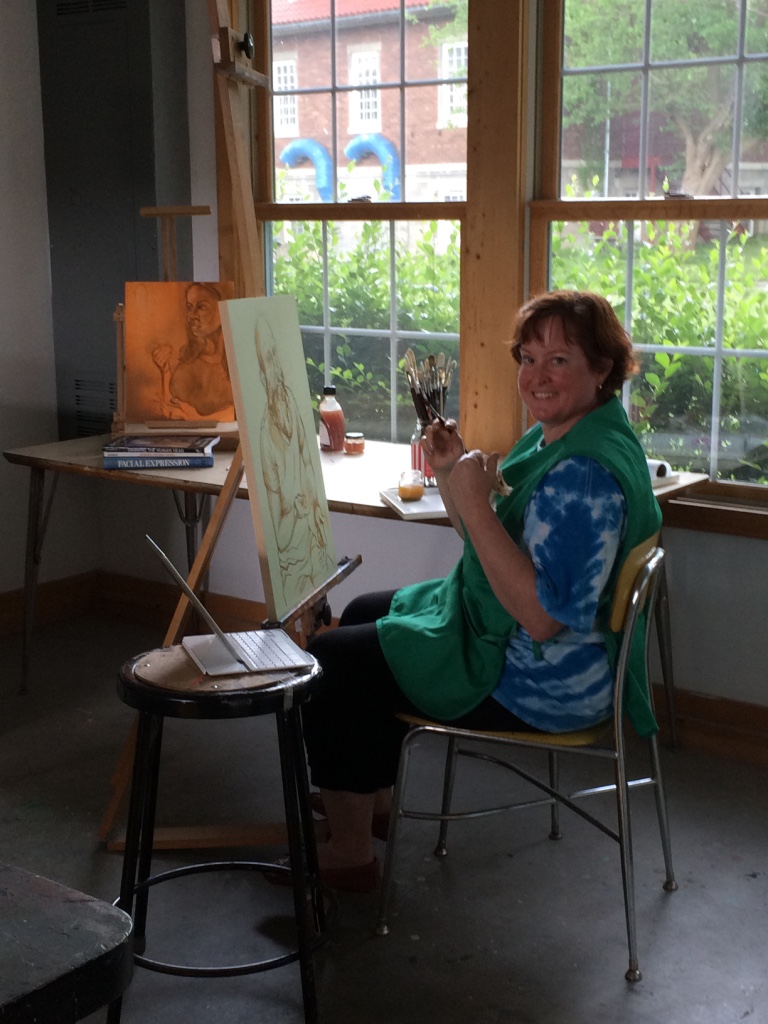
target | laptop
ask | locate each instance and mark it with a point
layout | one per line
(258, 650)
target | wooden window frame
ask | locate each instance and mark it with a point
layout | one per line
(720, 506)
(493, 217)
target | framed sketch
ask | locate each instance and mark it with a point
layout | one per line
(280, 449)
(174, 361)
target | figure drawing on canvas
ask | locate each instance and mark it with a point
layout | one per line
(175, 357)
(282, 460)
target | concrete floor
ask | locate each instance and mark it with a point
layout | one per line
(510, 928)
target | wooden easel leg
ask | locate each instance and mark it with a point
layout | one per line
(121, 781)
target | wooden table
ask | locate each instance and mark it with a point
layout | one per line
(63, 954)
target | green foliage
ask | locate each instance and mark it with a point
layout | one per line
(357, 275)
(674, 289)
(696, 104)
(674, 304)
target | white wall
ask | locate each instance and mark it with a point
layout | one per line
(718, 589)
(718, 585)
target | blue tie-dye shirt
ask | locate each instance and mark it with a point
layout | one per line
(572, 532)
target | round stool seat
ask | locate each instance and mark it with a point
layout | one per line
(167, 682)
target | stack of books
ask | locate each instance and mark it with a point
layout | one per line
(159, 451)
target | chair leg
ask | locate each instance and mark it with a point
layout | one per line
(670, 885)
(139, 834)
(449, 778)
(627, 865)
(398, 796)
(664, 633)
(308, 824)
(147, 826)
(554, 782)
(292, 765)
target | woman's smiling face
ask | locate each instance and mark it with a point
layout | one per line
(555, 380)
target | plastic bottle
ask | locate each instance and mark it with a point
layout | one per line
(331, 421)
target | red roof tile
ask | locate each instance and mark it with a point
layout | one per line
(291, 11)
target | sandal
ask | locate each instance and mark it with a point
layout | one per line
(379, 825)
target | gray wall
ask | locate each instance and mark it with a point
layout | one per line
(113, 85)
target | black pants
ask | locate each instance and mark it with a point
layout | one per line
(351, 731)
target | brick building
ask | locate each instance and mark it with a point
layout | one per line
(390, 98)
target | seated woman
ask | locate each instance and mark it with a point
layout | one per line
(517, 636)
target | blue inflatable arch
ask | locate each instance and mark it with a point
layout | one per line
(376, 145)
(308, 149)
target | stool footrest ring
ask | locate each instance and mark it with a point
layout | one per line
(229, 971)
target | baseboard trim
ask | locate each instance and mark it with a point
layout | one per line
(104, 593)
(716, 725)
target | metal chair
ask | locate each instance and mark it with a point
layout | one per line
(635, 592)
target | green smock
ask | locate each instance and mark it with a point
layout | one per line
(444, 640)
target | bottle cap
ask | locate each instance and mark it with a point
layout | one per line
(329, 389)
(354, 435)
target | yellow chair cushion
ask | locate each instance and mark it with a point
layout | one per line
(577, 738)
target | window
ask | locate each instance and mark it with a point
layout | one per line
(670, 112)
(370, 281)
(286, 110)
(364, 105)
(453, 95)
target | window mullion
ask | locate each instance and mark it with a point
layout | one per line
(393, 317)
(334, 105)
(326, 308)
(628, 300)
(644, 94)
(738, 103)
(717, 374)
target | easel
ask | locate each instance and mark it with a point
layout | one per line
(167, 216)
(232, 64)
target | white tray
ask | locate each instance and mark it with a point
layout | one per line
(429, 507)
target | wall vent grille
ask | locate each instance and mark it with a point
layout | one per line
(95, 403)
(66, 8)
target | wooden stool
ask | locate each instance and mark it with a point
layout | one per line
(63, 954)
(166, 684)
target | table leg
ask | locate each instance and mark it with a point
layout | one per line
(37, 522)
(192, 513)
(664, 632)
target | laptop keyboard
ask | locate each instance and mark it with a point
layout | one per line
(266, 648)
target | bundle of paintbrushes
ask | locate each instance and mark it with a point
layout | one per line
(429, 382)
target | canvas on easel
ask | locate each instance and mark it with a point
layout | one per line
(174, 362)
(280, 450)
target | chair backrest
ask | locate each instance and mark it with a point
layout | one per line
(634, 562)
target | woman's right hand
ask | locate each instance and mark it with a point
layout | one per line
(442, 445)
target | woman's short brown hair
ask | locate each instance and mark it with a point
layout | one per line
(588, 321)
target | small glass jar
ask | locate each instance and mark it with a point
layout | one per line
(418, 460)
(411, 486)
(354, 442)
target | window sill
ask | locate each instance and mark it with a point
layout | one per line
(733, 509)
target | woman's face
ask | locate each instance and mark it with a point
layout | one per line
(202, 312)
(555, 380)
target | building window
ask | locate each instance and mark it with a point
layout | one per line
(452, 99)
(364, 104)
(369, 289)
(286, 107)
(660, 112)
